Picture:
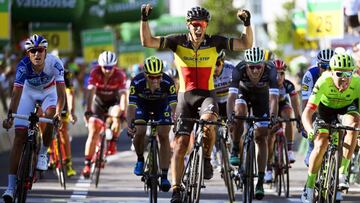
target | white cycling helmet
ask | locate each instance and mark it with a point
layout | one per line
(107, 58)
(254, 55)
(35, 41)
(325, 55)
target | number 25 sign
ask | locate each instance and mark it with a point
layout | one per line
(325, 19)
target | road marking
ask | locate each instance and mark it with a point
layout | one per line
(81, 189)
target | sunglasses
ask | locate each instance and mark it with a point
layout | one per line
(341, 74)
(255, 66)
(108, 67)
(324, 65)
(34, 50)
(154, 77)
(201, 24)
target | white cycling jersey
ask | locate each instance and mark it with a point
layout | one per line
(37, 86)
(222, 83)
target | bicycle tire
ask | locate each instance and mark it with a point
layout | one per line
(285, 170)
(320, 189)
(23, 174)
(154, 176)
(99, 160)
(226, 171)
(278, 167)
(60, 165)
(248, 192)
(186, 180)
(332, 177)
(196, 175)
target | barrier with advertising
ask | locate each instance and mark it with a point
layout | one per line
(325, 18)
(299, 29)
(5, 21)
(95, 41)
(59, 35)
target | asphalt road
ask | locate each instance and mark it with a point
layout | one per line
(119, 184)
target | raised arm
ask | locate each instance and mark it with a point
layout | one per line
(246, 39)
(147, 40)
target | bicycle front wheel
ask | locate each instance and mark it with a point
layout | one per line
(23, 174)
(99, 161)
(332, 177)
(60, 168)
(248, 193)
(226, 171)
(196, 176)
(154, 172)
(281, 168)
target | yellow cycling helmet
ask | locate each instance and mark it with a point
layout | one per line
(342, 61)
(153, 65)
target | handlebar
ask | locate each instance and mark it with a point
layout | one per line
(203, 122)
(26, 117)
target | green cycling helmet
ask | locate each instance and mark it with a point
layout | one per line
(342, 61)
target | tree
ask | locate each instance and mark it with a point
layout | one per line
(223, 20)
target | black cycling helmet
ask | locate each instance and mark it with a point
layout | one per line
(198, 13)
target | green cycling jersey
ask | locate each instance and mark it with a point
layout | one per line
(326, 92)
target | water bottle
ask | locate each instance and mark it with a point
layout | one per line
(108, 134)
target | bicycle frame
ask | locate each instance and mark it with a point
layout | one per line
(57, 156)
(27, 164)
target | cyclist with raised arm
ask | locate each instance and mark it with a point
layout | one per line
(287, 95)
(335, 93)
(195, 57)
(253, 83)
(39, 77)
(152, 91)
(308, 81)
(105, 103)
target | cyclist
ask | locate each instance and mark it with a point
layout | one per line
(68, 115)
(286, 90)
(253, 82)
(222, 80)
(195, 58)
(152, 91)
(308, 81)
(39, 77)
(106, 98)
(335, 93)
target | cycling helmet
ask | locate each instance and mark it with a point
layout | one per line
(342, 61)
(172, 72)
(280, 64)
(153, 65)
(254, 55)
(198, 13)
(325, 55)
(221, 55)
(107, 58)
(35, 41)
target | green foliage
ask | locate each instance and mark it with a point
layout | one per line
(223, 20)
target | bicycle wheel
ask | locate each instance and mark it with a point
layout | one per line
(285, 170)
(60, 168)
(281, 167)
(196, 175)
(320, 188)
(154, 169)
(332, 177)
(226, 170)
(23, 179)
(248, 192)
(99, 161)
(186, 180)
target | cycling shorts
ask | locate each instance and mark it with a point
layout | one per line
(100, 108)
(163, 116)
(29, 96)
(330, 115)
(187, 107)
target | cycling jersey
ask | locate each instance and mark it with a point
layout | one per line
(288, 88)
(37, 86)
(325, 92)
(107, 90)
(256, 95)
(195, 67)
(52, 73)
(157, 102)
(222, 83)
(308, 81)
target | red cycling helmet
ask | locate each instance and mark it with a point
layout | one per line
(280, 64)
